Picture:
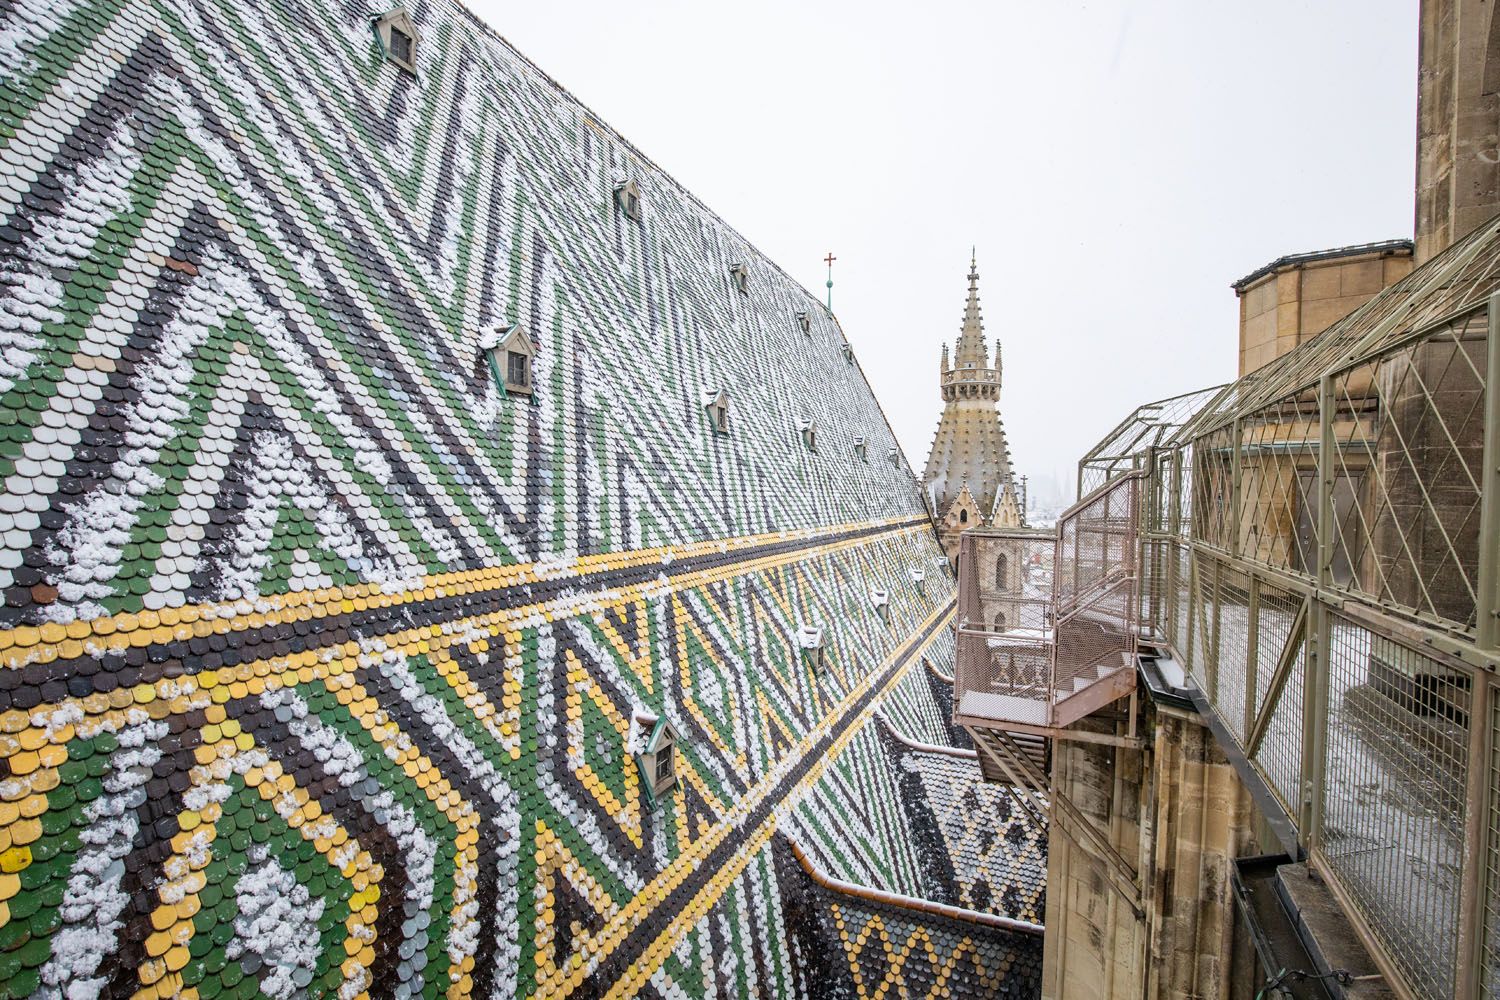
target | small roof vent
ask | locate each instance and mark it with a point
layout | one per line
(398, 38)
(810, 639)
(510, 354)
(808, 428)
(656, 753)
(628, 197)
(717, 405)
(739, 274)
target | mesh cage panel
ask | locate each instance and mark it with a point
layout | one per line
(1409, 438)
(1234, 647)
(1490, 969)
(1278, 484)
(1004, 618)
(1213, 488)
(1393, 796)
(1205, 598)
(1155, 588)
(1184, 491)
(1096, 578)
(1182, 610)
(1279, 755)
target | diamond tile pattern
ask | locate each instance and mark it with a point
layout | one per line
(320, 654)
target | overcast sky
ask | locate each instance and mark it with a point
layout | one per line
(1117, 164)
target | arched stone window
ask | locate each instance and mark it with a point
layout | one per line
(1000, 621)
(1002, 572)
(963, 517)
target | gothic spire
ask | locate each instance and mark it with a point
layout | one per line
(971, 351)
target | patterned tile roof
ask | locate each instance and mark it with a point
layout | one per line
(322, 656)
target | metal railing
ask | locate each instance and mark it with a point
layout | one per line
(1045, 618)
(1320, 551)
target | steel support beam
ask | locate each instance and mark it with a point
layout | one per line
(1235, 470)
(1284, 663)
(1316, 665)
(1252, 653)
(1487, 604)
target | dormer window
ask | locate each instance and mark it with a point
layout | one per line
(893, 455)
(398, 38)
(810, 639)
(657, 756)
(919, 579)
(809, 431)
(628, 197)
(510, 353)
(804, 320)
(880, 600)
(860, 452)
(848, 352)
(739, 275)
(717, 405)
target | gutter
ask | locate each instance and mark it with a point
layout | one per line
(900, 902)
(920, 747)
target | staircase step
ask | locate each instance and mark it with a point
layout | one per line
(1115, 684)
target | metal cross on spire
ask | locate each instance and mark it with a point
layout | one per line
(829, 261)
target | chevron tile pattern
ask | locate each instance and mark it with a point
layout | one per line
(323, 658)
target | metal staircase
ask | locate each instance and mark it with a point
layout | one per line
(1054, 642)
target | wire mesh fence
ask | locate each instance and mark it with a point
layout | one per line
(1004, 662)
(1490, 914)
(1156, 585)
(1096, 578)
(1280, 647)
(1393, 795)
(1409, 440)
(1181, 611)
(1233, 647)
(1318, 553)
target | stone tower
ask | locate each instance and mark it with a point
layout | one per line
(968, 479)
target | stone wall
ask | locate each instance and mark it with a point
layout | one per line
(1458, 123)
(1296, 302)
(1176, 811)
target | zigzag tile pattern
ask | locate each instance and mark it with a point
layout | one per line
(869, 948)
(319, 653)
